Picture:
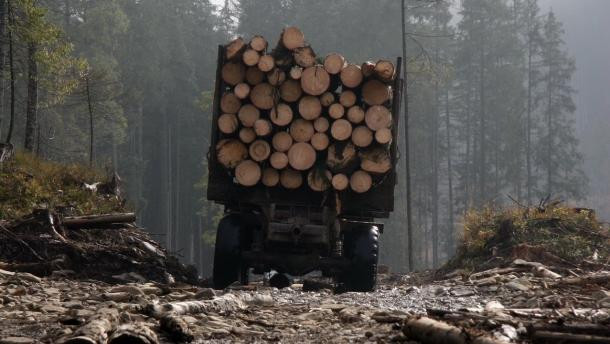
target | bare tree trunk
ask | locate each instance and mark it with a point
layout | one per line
(482, 128)
(449, 172)
(2, 58)
(528, 150)
(90, 108)
(32, 102)
(11, 19)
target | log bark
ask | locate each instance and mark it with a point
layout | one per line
(360, 182)
(319, 179)
(296, 72)
(228, 123)
(248, 173)
(177, 328)
(362, 136)
(266, 63)
(258, 43)
(96, 329)
(355, 114)
(429, 331)
(254, 76)
(98, 220)
(342, 157)
(259, 150)
(351, 76)
(301, 130)
(336, 111)
(282, 141)
(291, 91)
(347, 99)
(251, 57)
(264, 96)
(315, 80)
(378, 117)
(321, 125)
(276, 77)
(310, 107)
(262, 127)
(383, 136)
(334, 63)
(233, 73)
(305, 56)
(341, 130)
(281, 115)
(271, 177)
(231, 152)
(291, 179)
(247, 135)
(327, 99)
(229, 103)
(234, 49)
(376, 160)
(385, 70)
(368, 69)
(279, 160)
(136, 333)
(242, 90)
(248, 114)
(340, 182)
(224, 303)
(375, 92)
(301, 156)
(292, 38)
(319, 141)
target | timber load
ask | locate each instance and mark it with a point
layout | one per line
(289, 118)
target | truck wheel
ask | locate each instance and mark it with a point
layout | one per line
(361, 247)
(228, 266)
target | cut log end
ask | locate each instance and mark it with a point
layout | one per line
(248, 173)
(233, 73)
(334, 63)
(242, 91)
(347, 98)
(262, 127)
(361, 182)
(278, 160)
(375, 92)
(291, 179)
(230, 153)
(376, 160)
(315, 80)
(336, 111)
(321, 125)
(305, 56)
(229, 103)
(362, 136)
(264, 96)
(320, 141)
(251, 57)
(248, 115)
(351, 76)
(301, 156)
(293, 38)
(385, 70)
(228, 123)
(327, 99)
(271, 177)
(254, 76)
(291, 91)
(276, 77)
(266, 63)
(247, 135)
(355, 114)
(259, 150)
(258, 43)
(234, 49)
(281, 115)
(296, 72)
(340, 182)
(383, 136)
(310, 107)
(378, 117)
(282, 141)
(341, 130)
(301, 130)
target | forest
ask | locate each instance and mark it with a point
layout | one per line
(126, 86)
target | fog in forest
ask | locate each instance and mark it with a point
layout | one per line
(508, 101)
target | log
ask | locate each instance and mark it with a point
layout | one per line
(136, 333)
(254, 76)
(340, 182)
(310, 107)
(229, 103)
(98, 220)
(96, 329)
(319, 179)
(266, 63)
(319, 141)
(368, 69)
(375, 92)
(279, 160)
(315, 80)
(336, 111)
(251, 57)
(341, 157)
(341, 130)
(327, 99)
(321, 125)
(291, 179)
(176, 328)
(360, 181)
(291, 91)
(334, 63)
(242, 90)
(362, 136)
(301, 156)
(247, 135)
(355, 114)
(383, 136)
(271, 177)
(248, 114)
(385, 70)
(233, 73)
(301, 130)
(258, 43)
(264, 96)
(281, 115)
(429, 331)
(231, 152)
(292, 38)
(228, 123)
(375, 160)
(234, 49)
(259, 150)
(305, 56)
(276, 77)
(378, 117)
(225, 303)
(568, 338)
(347, 98)
(262, 127)
(351, 76)
(248, 173)
(282, 141)
(296, 72)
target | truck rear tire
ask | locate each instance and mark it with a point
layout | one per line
(361, 247)
(230, 241)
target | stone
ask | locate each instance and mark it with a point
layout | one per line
(516, 285)
(53, 309)
(462, 292)
(494, 306)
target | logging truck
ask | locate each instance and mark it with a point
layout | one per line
(302, 157)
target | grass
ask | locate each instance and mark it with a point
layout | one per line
(27, 183)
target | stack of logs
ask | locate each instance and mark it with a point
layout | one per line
(288, 117)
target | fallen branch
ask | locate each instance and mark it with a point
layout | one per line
(137, 333)
(96, 221)
(96, 329)
(568, 338)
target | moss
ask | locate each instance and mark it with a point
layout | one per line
(27, 182)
